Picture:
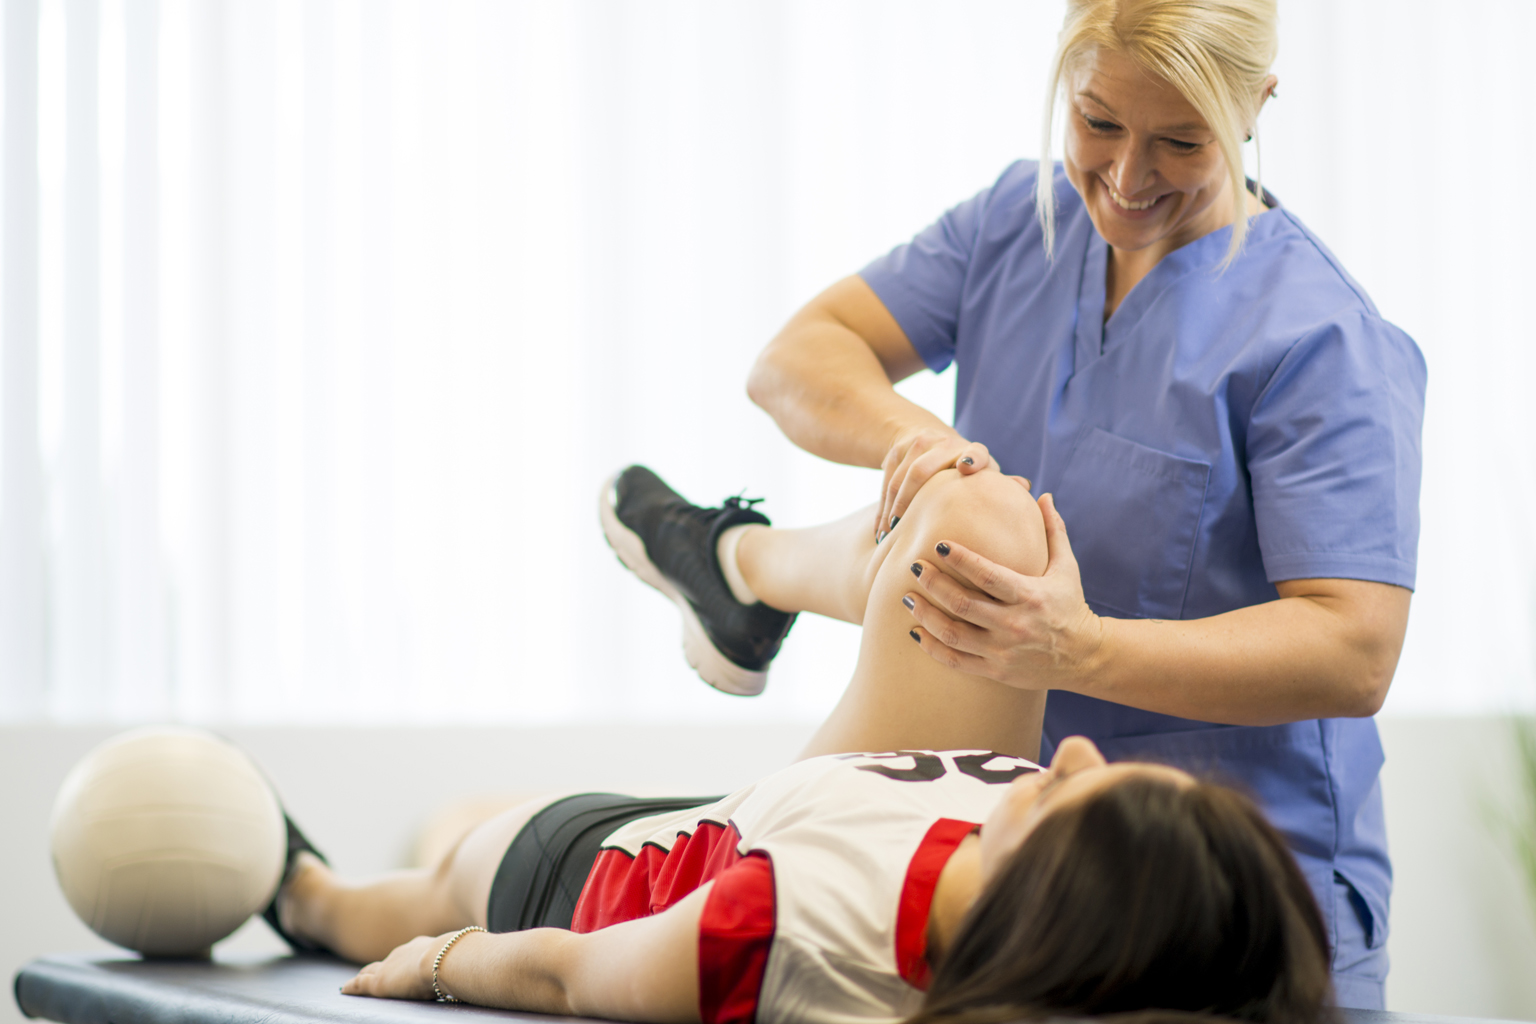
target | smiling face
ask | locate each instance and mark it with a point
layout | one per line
(1077, 771)
(1146, 163)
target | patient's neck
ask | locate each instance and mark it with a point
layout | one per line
(959, 885)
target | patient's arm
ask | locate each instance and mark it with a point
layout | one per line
(641, 970)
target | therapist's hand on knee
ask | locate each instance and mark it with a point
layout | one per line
(913, 459)
(1033, 632)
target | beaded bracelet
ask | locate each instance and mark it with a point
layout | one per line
(444, 997)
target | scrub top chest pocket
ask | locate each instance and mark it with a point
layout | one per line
(1133, 513)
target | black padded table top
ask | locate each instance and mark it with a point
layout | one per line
(83, 989)
(98, 989)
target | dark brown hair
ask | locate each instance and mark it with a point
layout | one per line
(1150, 898)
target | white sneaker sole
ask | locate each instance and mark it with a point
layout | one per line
(703, 656)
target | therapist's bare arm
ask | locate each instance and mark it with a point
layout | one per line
(826, 379)
(1324, 648)
(641, 970)
(1327, 648)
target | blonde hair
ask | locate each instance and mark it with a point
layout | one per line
(1217, 53)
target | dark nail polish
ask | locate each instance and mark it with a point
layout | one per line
(913, 634)
(917, 570)
(880, 537)
(894, 521)
(968, 461)
(911, 604)
(942, 548)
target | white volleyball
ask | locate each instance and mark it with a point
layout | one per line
(167, 839)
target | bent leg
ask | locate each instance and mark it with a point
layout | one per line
(899, 697)
(363, 921)
(823, 569)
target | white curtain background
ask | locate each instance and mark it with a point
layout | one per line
(321, 322)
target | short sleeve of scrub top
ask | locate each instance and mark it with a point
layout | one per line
(1224, 430)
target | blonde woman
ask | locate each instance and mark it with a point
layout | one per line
(1228, 429)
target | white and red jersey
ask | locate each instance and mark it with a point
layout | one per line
(824, 873)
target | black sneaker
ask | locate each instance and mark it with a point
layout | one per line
(670, 544)
(297, 844)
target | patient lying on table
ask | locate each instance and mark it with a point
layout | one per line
(915, 864)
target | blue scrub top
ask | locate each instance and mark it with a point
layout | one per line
(1221, 432)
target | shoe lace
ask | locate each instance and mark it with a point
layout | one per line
(740, 501)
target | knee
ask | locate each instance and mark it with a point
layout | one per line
(992, 514)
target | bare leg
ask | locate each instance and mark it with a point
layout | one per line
(829, 569)
(824, 569)
(899, 698)
(363, 921)
(450, 824)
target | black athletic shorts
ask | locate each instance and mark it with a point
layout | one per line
(543, 871)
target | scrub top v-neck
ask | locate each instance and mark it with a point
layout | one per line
(1223, 430)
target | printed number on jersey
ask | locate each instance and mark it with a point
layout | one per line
(926, 767)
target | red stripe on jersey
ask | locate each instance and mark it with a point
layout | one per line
(622, 888)
(923, 872)
(735, 935)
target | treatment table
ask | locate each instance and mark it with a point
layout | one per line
(97, 989)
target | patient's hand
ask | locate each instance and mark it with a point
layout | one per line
(405, 974)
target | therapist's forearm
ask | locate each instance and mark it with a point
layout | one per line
(827, 391)
(1324, 649)
(827, 378)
